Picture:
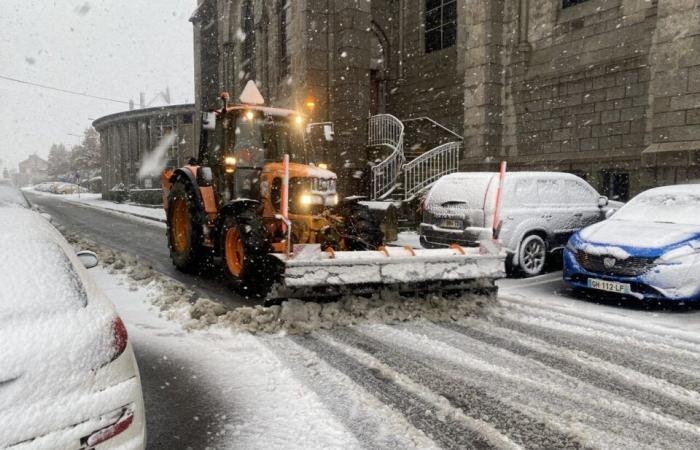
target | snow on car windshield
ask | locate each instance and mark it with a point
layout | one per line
(35, 273)
(666, 206)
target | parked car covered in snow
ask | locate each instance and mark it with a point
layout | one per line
(68, 376)
(649, 249)
(539, 212)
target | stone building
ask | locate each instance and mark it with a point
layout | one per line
(32, 170)
(608, 89)
(127, 136)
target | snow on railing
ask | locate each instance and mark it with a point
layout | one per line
(385, 129)
(425, 170)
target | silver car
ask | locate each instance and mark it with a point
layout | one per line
(539, 212)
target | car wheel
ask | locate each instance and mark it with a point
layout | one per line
(532, 255)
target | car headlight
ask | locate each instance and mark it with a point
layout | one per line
(570, 247)
(680, 255)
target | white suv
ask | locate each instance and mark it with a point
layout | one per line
(539, 212)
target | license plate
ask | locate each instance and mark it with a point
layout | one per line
(451, 223)
(610, 286)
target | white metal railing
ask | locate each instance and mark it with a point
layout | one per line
(385, 129)
(425, 170)
(436, 125)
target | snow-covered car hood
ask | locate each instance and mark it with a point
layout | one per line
(640, 235)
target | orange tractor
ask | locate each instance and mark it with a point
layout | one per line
(278, 227)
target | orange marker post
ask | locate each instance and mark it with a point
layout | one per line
(497, 210)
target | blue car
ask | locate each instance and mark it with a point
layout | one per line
(649, 249)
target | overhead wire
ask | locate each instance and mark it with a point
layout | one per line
(66, 91)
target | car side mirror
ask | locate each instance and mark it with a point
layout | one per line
(209, 120)
(603, 201)
(88, 258)
(328, 132)
(609, 213)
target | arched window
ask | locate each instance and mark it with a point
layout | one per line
(248, 53)
(284, 15)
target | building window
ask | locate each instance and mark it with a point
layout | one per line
(567, 3)
(284, 16)
(248, 52)
(440, 24)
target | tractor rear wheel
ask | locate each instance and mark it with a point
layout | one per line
(184, 232)
(245, 249)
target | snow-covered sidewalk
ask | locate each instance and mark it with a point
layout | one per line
(95, 201)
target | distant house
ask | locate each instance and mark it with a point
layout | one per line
(33, 170)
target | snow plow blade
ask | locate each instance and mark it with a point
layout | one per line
(310, 272)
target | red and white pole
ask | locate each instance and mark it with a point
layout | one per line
(497, 209)
(284, 208)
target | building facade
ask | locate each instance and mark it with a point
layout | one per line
(128, 136)
(607, 89)
(32, 170)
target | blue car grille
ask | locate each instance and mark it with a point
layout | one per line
(630, 267)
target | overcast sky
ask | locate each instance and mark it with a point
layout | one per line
(108, 48)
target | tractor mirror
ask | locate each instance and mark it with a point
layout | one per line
(89, 259)
(209, 120)
(328, 132)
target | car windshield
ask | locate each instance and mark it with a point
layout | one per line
(265, 138)
(665, 207)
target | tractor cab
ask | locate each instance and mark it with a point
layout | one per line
(244, 146)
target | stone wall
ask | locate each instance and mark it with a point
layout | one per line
(608, 89)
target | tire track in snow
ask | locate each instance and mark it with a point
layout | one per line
(663, 352)
(680, 337)
(374, 424)
(666, 345)
(531, 386)
(448, 432)
(654, 400)
(473, 401)
(601, 349)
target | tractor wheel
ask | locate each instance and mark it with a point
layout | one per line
(184, 231)
(245, 248)
(361, 230)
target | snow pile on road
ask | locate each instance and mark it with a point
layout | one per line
(299, 317)
(179, 303)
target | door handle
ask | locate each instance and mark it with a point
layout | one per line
(578, 215)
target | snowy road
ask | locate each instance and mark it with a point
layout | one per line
(538, 372)
(543, 369)
(138, 237)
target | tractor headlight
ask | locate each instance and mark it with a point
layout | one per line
(305, 199)
(230, 164)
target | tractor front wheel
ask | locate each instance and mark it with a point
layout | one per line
(245, 249)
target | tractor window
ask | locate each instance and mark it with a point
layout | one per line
(265, 139)
(276, 193)
(248, 145)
